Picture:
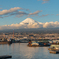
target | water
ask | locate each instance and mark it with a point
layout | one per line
(22, 51)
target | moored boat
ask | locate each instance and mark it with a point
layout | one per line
(54, 47)
(5, 41)
(37, 44)
(33, 44)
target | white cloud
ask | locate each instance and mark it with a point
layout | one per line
(3, 12)
(51, 24)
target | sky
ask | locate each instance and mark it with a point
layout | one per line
(15, 11)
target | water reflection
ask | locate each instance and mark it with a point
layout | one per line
(22, 51)
(28, 52)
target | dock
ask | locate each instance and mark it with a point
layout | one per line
(5, 56)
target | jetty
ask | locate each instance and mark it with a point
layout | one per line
(5, 56)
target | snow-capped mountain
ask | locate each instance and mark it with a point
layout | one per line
(30, 23)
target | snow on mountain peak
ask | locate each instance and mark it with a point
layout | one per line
(28, 21)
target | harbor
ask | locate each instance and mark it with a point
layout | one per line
(22, 51)
(21, 45)
(29, 29)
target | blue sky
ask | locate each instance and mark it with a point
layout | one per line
(39, 10)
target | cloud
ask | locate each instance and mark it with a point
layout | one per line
(44, 15)
(51, 24)
(34, 13)
(3, 12)
(20, 14)
(15, 11)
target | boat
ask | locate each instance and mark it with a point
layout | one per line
(54, 41)
(54, 46)
(33, 44)
(37, 44)
(43, 43)
(5, 41)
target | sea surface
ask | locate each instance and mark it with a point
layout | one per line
(22, 51)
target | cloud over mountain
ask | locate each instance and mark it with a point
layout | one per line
(17, 13)
(30, 23)
(9, 11)
(51, 24)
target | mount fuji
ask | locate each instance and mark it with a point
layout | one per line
(30, 23)
(26, 24)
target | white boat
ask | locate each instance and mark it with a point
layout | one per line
(54, 47)
(34, 43)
